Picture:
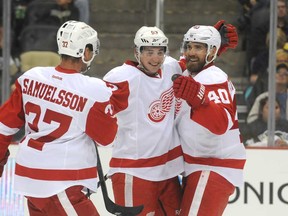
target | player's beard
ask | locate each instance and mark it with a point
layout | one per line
(194, 67)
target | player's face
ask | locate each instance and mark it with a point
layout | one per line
(152, 58)
(195, 54)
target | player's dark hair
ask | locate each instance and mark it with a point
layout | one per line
(142, 48)
(71, 58)
(90, 47)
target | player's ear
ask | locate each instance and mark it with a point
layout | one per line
(213, 52)
(88, 54)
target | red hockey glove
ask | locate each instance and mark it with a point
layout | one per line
(229, 36)
(3, 162)
(190, 90)
(182, 63)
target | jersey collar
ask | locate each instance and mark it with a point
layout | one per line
(64, 70)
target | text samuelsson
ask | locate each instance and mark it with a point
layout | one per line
(50, 93)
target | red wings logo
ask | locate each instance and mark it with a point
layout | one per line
(178, 105)
(159, 108)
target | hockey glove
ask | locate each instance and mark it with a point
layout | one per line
(182, 63)
(229, 36)
(191, 91)
(3, 162)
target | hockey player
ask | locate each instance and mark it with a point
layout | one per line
(145, 158)
(214, 154)
(62, 111)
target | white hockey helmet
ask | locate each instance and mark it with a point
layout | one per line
(203, 34)
(72, 38)
(150, 36)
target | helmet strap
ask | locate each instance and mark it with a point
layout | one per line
(137, 55)
(209, 51)
(88, 63)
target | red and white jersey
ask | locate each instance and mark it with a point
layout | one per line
(145, 144)
(210, 135)
(62, 110)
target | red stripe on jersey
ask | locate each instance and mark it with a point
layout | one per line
(228, 163)
(147, 162)
(204, 115)
(4, 143)
(120, 95)
(100, 126)
(220, 102)
(12, 113)
(56, 175)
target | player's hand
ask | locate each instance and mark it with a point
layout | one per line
(3, 162)
(229, 36)
(182, 63)
(190, 90)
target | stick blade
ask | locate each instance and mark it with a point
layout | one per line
(115, 209)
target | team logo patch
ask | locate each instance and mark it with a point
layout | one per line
(178, 105)
(159, 108)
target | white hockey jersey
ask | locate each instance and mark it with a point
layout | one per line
(145, 145)
(62, 110)
(209, 135)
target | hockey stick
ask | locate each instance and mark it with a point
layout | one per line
(105, 178)
(109, 204)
